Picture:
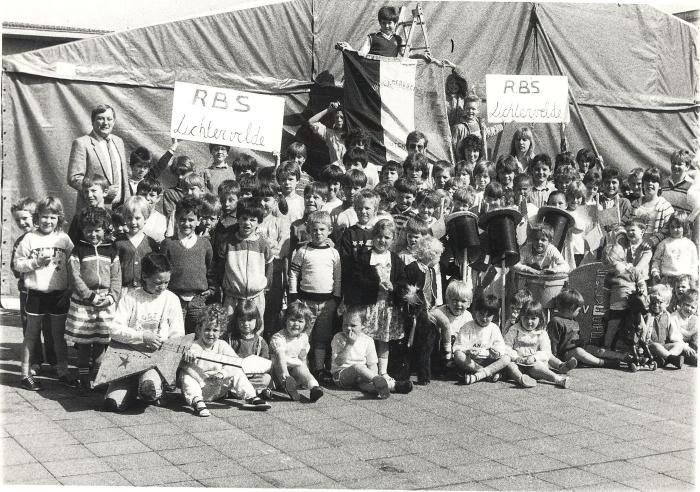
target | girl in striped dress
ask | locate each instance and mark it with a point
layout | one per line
(95, 276)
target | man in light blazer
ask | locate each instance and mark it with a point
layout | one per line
(102, 153)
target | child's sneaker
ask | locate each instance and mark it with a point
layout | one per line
(200, 409)
(527, 382)
(256, 404)
(403, 387)
(382, 387)
(67, 381)
(290, 386)
(493, 378)
(568, 365)
(265, 394)
(315, 394)
(676, 360)
(563, 383)
(31, 384)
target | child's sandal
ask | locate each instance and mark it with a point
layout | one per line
(200, 409)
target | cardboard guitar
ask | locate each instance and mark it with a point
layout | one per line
(122, 360)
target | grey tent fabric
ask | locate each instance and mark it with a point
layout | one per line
(632, 69)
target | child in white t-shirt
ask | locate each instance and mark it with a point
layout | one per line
(452, 315)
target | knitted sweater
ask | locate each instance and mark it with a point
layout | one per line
(130, 257)
(189, 266)
(314, 273)
(51, 277)
(93, 268)
(675, 256)
(563, 335)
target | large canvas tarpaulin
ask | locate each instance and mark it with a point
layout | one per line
(633, 69)
(391, 97)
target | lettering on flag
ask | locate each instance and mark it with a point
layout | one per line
(228, 117)
(527, 99)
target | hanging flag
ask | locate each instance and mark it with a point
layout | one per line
(391, 97)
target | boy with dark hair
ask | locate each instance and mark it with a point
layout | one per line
(540, 170)
(416, 168)
(676, 187)
(315, 197)
(156, 224)
(288, 175)
(208, 215)
(353, 182)
(244, 164)
(181, 167)
(191, 257)
(242, 264)
(93, 189)
(219, 171)
(332, 175)
(610, 199)
(385, 42)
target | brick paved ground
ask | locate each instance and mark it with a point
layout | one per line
(612, 430)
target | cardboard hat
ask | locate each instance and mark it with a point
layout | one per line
(463, 233)
(560, 220)
(502, 241)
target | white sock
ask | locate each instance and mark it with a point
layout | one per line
(382, 365)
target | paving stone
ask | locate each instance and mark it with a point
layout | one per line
(239, 481)
(623, 450)
(665, 444)
(83, 466)
(295, 478)
(124, 446)
(499, 451)
(658, 482)
(58, 453)
(299, 443)
(684, 475)
(156, 429)
(323, 456)
(270, 462)
(31, 428)
(96, 479)
(33, 441)
(190, 455)
(151, 476)
(222, 436)
(101, 435)
(174, 441)
(246, 449)
(27, 473)
(519, 482)
(136, 461)
(578, 457)
(662, 463)
(484, 470)
(181, 485)
(14, 454)
(349, 470)
(533, 463)
(213, 469)
(571, 477)
(618, 470)
(83, 424)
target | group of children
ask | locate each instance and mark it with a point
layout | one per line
(329, 284)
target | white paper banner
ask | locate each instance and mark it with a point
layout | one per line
(227, 117)
(527, 99)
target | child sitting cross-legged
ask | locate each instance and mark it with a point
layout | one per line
(688, 322)
(452, 315)
(538, 255)
(666, 340)
(243, 335)
(290, 348)
(563, 331)
(479, 350)
(354, 358)
(205, 376)
(530, 349)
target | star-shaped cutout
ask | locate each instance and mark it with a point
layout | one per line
(124, 361)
